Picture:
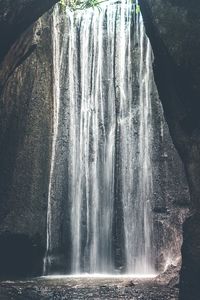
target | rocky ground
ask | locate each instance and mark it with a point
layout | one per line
(87, 288)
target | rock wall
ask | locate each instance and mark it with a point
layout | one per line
(173, 28)
(22, 108)
(25, 151)
(16, 17)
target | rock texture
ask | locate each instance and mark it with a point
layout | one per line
(25, 134)
(174, 30)
(25, 153)
(15, 18)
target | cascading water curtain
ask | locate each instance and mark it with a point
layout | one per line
(100, 193)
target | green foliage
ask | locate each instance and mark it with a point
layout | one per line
(63, 3)
(84, 4)
(137, 9)
(80, 4)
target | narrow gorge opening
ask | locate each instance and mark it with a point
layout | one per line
(107, 146)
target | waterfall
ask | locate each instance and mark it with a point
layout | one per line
(100, 193)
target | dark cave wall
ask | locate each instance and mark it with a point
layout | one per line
(25, 135)
(174, 31)
(170, 189)
(16, 17)
(25, 152)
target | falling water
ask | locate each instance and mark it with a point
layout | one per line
(99, 210)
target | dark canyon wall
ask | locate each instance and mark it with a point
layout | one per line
(25, 153)
(25, 135)
(174, 30)
(15, 18)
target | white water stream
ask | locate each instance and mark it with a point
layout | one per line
(101, 169)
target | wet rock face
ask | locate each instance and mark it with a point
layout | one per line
(25, 143)
(25, 130)
(174, 29)
(16, 17)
